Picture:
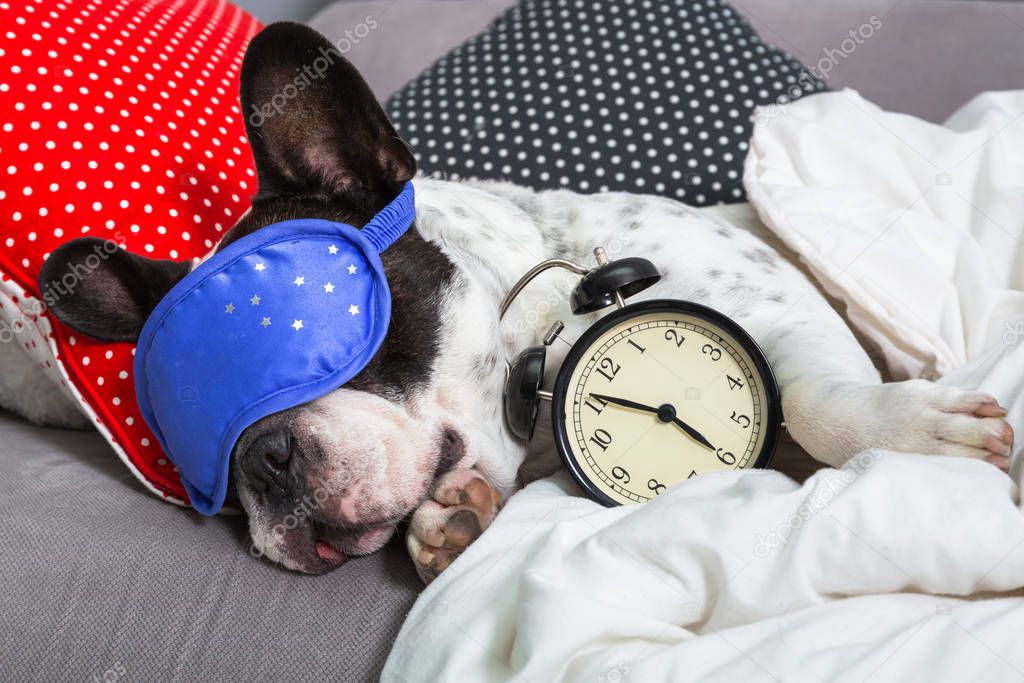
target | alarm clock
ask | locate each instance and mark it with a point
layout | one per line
(652, 394)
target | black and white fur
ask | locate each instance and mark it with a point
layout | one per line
(419, 432)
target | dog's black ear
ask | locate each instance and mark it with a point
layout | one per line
(96, 288)
(314, 124)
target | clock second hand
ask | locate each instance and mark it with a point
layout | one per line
(666, 413)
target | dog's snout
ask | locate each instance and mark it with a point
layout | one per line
(265, 463)
(334, 478)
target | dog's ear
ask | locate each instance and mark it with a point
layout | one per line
(96, 288)
(314, 124)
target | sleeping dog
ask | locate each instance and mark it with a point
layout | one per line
(418, 434)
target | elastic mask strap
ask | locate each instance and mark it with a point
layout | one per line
(393, 220)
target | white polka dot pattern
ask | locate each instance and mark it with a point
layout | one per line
(651, 96)
(119, 119)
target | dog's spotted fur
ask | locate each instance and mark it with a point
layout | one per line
(419, 432)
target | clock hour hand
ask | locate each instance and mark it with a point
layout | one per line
(626, 403)
(666, 413)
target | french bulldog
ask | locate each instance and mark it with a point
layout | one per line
(417, 440)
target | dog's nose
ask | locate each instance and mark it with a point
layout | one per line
(265, 463)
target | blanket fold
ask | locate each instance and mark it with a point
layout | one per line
(896, 567)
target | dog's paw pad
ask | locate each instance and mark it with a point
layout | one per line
(462, 528)
(463, 506)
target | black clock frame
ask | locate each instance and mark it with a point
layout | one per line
(773, 400)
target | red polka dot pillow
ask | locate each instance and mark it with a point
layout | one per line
(119, 119)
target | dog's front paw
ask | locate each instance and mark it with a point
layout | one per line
(462, 506)
(922, 417)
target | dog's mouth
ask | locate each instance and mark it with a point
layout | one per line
(334, 546)
(329, 554)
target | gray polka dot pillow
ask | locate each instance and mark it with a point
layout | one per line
(652, 96)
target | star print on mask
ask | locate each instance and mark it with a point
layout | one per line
(257, 341)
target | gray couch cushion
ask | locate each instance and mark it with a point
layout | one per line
(927, 57)
(405, 36)
(99, 576)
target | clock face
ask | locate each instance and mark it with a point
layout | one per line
(659, 392)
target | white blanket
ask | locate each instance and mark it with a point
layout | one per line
(898, 567)
(918, 227)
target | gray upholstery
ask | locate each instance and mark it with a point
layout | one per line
(97, 574)
(409, 34)
(928, 57)
(99, 577)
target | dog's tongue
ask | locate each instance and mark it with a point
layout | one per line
(329, 553)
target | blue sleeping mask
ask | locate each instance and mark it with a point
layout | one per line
(279, 318)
